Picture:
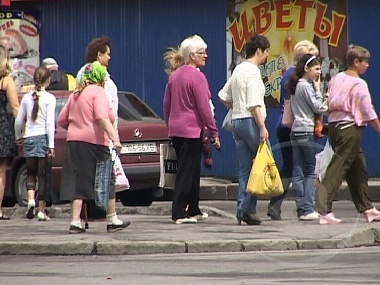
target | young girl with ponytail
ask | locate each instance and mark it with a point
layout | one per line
(37, 112)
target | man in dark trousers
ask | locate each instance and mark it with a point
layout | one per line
(58, 79)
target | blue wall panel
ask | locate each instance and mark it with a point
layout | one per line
(363, 25)
(141, 30)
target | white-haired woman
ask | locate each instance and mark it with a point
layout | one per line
(187, 111)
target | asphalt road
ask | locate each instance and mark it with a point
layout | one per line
(336, 267)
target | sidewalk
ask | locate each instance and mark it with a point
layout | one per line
(152, 231)
(213, 188)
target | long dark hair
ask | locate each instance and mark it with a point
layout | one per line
(41, 75)
(308, 60)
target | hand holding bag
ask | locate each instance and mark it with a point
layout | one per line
(168, 166)
(227, 122)
(264, 179)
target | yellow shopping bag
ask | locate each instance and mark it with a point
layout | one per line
(264, 179)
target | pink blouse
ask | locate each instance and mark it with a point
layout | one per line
(349, 100)
(80, 116)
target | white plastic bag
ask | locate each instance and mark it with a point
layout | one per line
(168, 166)
(121, 182)
(323, 159)
(227, 122)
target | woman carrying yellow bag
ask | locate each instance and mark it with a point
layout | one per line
(244, 92)
(264, 179)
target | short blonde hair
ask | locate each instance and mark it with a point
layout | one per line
(303, 47)
(5, 67)
(356, 52)
(176, 57)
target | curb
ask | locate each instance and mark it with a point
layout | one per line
(97, 246)
(368, 237)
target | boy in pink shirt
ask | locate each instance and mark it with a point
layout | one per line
(351, 109)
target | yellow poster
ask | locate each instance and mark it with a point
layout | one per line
(284, 23)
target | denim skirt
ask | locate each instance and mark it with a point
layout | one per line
(36, 146)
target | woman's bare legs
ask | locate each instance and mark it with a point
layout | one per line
(76, 225)
(3, 169)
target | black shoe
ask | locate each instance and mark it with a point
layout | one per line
(30, 213)
(111, 228)
(251, 219)
(273, 213)
(76, 230)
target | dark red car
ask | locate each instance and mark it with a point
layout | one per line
(141, 132)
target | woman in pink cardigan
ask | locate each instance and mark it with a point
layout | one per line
(187, 111)
(88, 119)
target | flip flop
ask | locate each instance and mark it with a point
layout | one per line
(4, 217)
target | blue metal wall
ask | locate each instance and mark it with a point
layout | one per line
(363, 25)
(141, 30)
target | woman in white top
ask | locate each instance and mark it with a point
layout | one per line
(99, 49)
(244, 92)
(37, 111)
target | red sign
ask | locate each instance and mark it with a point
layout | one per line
(5, 2)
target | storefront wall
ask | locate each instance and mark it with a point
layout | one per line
(141, 30)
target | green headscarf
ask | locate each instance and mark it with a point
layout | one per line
(94, 73)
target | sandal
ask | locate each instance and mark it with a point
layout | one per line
(4, 217)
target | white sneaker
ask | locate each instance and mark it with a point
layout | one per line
(31, 206)
(42, 216)
(186, 221)
(201, 217)
(309, 217)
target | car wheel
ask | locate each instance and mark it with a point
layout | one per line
(136, 197)
(20, 191)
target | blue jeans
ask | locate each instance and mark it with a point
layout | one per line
(247, 139)
(283, 138)
(304, 150)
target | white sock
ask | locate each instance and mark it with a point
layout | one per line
(76, 223)
(31, 203)
(112, 219)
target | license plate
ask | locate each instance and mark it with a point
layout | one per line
(131, 148)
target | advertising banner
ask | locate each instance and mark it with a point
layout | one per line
(19, 33)
(284, 23)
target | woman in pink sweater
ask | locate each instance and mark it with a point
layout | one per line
(187, 111)
(88, 118)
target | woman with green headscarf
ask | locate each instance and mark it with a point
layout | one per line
(88, 119)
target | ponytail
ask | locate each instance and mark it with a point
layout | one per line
(41, 75)
(35, 97)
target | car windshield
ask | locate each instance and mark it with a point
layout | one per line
(132, 108)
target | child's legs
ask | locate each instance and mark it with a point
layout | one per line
(41, 184)
(31, 174)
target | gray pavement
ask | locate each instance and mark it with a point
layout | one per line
(152, 231)
(214, 188)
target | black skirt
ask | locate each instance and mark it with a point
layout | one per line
(79, 168)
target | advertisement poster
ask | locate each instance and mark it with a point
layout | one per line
(284, 23)
(19, 33)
